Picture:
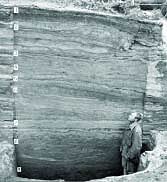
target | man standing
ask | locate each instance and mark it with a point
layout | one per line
(132, 144)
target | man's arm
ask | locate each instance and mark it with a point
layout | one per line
(136, 143)
(121, 146)
(123, 140)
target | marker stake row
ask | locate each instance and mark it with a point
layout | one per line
(15, 80)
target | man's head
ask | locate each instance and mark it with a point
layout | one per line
(135, 116)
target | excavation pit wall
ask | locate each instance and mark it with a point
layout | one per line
(153, 163)
(84, 121)
(148, 145)
(73, 70)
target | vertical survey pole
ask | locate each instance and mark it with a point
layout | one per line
(14, 87)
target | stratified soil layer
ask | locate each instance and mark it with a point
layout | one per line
(156, 169)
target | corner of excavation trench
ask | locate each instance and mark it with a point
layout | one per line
(153, 164)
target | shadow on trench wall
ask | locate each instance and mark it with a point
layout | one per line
(44, 173)
(70, 173)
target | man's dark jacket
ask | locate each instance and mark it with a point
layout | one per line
(132, 143)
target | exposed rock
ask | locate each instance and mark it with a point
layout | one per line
(95, 5)
(7, 160)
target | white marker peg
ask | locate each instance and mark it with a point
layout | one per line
(15, 78)
(16, 26)
(16, 141)
(15, 67)
(19, 169)
(132, 2)
(15, 123)
(15, 53)
(15, 90)
(16, 10)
